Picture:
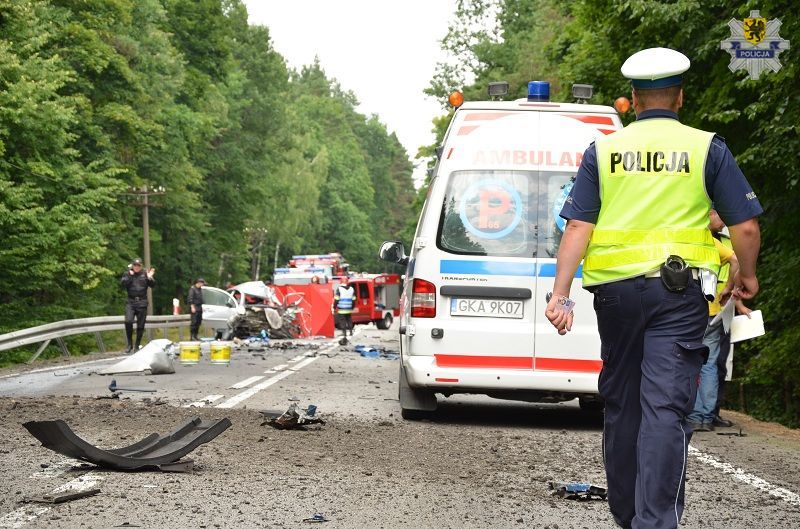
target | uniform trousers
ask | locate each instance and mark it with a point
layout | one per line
(652, 351)
(195, 321)
(135, 309)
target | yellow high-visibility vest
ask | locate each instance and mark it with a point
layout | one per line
(653, 201)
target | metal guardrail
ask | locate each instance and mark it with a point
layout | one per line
(59, 330)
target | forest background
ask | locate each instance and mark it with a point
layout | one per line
(259, 162)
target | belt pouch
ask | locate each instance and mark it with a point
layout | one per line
(675, 274)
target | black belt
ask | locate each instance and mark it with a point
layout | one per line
(137, 298)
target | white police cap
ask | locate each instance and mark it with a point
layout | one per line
(655, 68)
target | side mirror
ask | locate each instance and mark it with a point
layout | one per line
(393, 252)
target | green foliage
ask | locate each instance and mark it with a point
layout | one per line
(258, 162)
(587, 41)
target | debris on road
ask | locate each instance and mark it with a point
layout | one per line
(317, 518)
(734, 434)
(152, 452)
(113, 388)
(293, 418)
(63, 496)
(577, 491)
(376, 352)
(154, 358)
(333, 371)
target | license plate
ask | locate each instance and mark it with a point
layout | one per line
(491, 308)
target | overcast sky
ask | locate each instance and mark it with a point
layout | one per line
(383, 51)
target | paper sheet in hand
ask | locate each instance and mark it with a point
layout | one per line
(744, 328)
(726, 315)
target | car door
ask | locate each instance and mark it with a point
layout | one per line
(219, 308)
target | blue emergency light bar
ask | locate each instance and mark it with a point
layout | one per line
(282, 270)
(538, 91)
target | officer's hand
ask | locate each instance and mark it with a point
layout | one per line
(561, 320)
(130, 271)
(151, 272)
(745, 287)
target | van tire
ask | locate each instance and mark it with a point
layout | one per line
(415, 404)
(590, 405)
(385, 322)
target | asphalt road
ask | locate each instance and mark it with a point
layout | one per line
(477, 462)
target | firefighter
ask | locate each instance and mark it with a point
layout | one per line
(344, 299)
(645, 238)
(136, 281)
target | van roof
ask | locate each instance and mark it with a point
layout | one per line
(540, 106)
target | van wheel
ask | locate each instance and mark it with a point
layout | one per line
(415, 404)
(385, 322)
(591, 405)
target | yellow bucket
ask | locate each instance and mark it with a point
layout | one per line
(190, 353)
(221, 353)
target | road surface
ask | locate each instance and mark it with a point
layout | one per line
(477, 463)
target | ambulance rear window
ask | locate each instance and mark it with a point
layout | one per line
(503, 213)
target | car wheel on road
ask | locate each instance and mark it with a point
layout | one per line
(385, 323)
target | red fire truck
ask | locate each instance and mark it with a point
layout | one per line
(377, 298)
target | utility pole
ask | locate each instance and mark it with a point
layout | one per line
(144, 193)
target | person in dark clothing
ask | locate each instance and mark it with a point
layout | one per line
(136, 282)
(195, 302)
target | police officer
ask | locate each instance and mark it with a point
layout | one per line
(195, 302)
(641, 195)
(344, 299)
(136, 282)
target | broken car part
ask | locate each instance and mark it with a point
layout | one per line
(113, 388)
(577, 491)
(293, 418)
(152, 452)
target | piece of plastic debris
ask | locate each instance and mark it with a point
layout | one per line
(317, 518)
(64, 496)
(293, 418)
(152, 452)
(114, 388)
(155, 357)
(577, 491)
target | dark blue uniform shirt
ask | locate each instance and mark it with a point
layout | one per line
(727, 187)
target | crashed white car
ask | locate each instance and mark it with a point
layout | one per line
(220, 308)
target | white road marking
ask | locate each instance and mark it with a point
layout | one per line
(54, 470)
(18, 518)
(204, 401)
(61, 367)
(246, 394)
(745, 477)
(297, 358)
(246, 382)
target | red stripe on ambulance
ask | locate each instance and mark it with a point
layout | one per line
(519, 362)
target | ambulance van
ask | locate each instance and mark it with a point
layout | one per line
(484, 258)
